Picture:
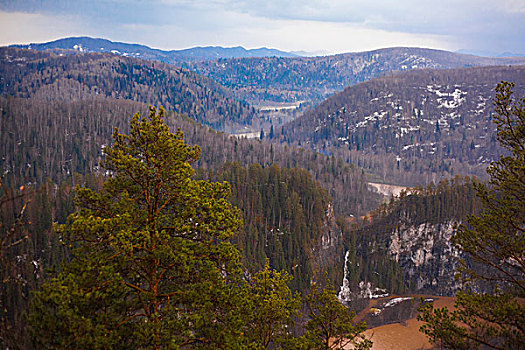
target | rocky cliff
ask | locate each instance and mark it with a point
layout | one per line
(427, 256)
(406, 245)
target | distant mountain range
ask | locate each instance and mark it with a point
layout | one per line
(87, 44)
(491, 54)
(261, 76)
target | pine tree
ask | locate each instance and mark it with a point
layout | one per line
(331, 323)
(273, 308)
(495, 241)
(152, 264)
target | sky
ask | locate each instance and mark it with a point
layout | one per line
(489, 27)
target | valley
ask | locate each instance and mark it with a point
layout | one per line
(353, 169)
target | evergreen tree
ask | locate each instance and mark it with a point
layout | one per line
(273, 308)
(152, 264)
(331, 324)
(496, 241)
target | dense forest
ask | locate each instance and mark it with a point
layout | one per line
(49, 147)
(48, 76)
(410, 128)
(146, 259)
(30, 248)
(55, 139)
(284, 213)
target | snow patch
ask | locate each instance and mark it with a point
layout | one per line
(395, 301)
(78, 47)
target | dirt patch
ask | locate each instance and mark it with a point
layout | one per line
(406, 335)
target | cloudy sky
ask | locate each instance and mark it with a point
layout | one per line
(316, 26)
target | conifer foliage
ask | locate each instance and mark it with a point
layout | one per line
(495, 239)
(331, 324)
(152, 265)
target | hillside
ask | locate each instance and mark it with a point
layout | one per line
(47, 76)
(411, 128)
(405, 245)
(54, 139)
(287, 216)
(312, 79)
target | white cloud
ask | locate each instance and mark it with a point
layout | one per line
(233, 29)
(18, 27)
(312, 25)
(513, 6)
(338, 37)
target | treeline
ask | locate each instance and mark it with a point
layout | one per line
(48, 76)
(412, 127)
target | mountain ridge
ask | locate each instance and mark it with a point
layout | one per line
(89, 44)
(264, 76)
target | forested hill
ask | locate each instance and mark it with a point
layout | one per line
(47, 76)
(413, 127)
(288, 218)
(259, 80)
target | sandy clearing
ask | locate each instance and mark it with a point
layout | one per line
(404, 336)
